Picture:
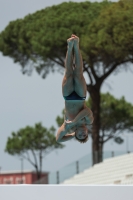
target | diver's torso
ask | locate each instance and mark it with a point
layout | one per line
(73, 107)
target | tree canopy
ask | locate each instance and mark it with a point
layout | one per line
(39, 40)
(110, 40)
(116, 116)
(32, 144)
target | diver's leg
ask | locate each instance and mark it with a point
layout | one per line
(67, 83)
(79, 81)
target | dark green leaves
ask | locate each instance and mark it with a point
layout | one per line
(119, 140)
(111, 34)
(115, 115)
(41, 36)
(37, 138)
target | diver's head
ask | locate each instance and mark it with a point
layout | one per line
(81, 133)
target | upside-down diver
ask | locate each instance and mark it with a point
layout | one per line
(77, 115)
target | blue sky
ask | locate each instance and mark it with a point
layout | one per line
(26, 100)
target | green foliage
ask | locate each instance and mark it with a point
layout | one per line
(116, 114)
(39, 38)
(118, 140)
(60, 119)
(37, 138)
(32, 144)
(111, 34)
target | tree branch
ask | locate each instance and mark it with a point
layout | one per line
(59, 63)
(88, 87)
(86, 69)
(27, 158)
(109, 72)
(33, 153)
(112, 136)
(90, 77)
(61, 60)
(113, 68)
(93, 72)
(48, 151)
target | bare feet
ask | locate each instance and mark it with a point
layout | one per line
(73, 41)
(76, 40)
(70, 42)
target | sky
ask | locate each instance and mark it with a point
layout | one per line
(26, 100)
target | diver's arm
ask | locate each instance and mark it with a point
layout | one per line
(85, 113)
(63, 135)
(89, 119)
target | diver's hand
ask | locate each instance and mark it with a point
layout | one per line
(69, 124)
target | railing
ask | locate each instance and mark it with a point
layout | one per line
(78, 167)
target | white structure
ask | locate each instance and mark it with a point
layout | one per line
(117, 170)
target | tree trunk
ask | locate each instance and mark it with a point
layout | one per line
(37, 172)
(95, 96)
(101, 151)
(38, 175)
(40, 171)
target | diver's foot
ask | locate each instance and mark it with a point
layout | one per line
(70, 42)
(76, 40)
